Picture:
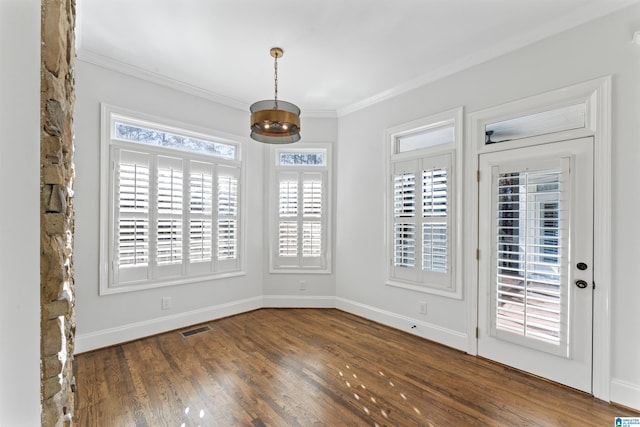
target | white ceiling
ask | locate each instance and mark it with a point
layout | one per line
(340, 55)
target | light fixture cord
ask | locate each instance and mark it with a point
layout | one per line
(275, 81)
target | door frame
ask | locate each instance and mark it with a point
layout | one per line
(596, 95)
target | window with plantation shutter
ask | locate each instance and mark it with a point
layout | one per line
(421, 220)
(300, 195)
(174, 200)
(423, 188)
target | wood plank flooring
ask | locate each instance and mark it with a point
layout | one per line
(314, 367)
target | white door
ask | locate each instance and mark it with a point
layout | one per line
(536, 255)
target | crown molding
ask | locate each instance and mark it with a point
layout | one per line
(160, 79)
(549, 29)
(112, 64)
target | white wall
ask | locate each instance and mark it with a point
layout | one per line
(20, 213)
(596, 49)
(105, 320)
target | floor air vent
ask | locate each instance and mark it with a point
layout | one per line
(195, 331)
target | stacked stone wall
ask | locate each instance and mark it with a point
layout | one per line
(56, 212)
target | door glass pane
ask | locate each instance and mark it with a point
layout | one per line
(530, 227)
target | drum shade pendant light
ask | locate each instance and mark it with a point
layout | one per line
(274, 121)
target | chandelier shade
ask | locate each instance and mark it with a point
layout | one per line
(274, 121)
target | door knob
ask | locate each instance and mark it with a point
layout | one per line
(581, 284)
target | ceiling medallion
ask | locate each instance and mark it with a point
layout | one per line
(274, 121)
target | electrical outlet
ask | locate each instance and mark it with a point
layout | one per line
(423, 307)
(303, 285)
(165, 303)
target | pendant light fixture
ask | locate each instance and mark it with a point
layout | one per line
(274, 121)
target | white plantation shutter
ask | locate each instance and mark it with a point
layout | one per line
(200, 214)
(404, 240)
(300, 228)
(288, 209)
(434, 247)
(312, 213)
(174, 217)
(404, 236)
(434, 214)
(132, 220)
(227, 240)
(227, 218)
(531, 216)
(169, 216)
(421, 218)
(288, 195)
(312, 196)
(404, 194)
(288, 239)
(404, 212)
(311, 238)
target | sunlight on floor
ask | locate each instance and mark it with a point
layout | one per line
(353, 379)
(199, 415)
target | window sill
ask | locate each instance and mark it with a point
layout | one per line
(425, 288)
(300, 270)
(139, 286)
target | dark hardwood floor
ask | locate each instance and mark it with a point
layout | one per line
(313, 367)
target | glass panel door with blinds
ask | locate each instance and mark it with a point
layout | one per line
(535, 267)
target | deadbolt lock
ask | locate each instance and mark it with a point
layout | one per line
(581, 284)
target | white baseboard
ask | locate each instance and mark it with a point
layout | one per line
(625, 393)
(120, 334)
(448, 337)
(296, 301)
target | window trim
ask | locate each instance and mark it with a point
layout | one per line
(454, 149)
(274, 168)
(109, 114)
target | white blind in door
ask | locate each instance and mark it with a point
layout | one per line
(530, 226)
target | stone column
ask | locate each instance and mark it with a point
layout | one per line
(56, 211)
